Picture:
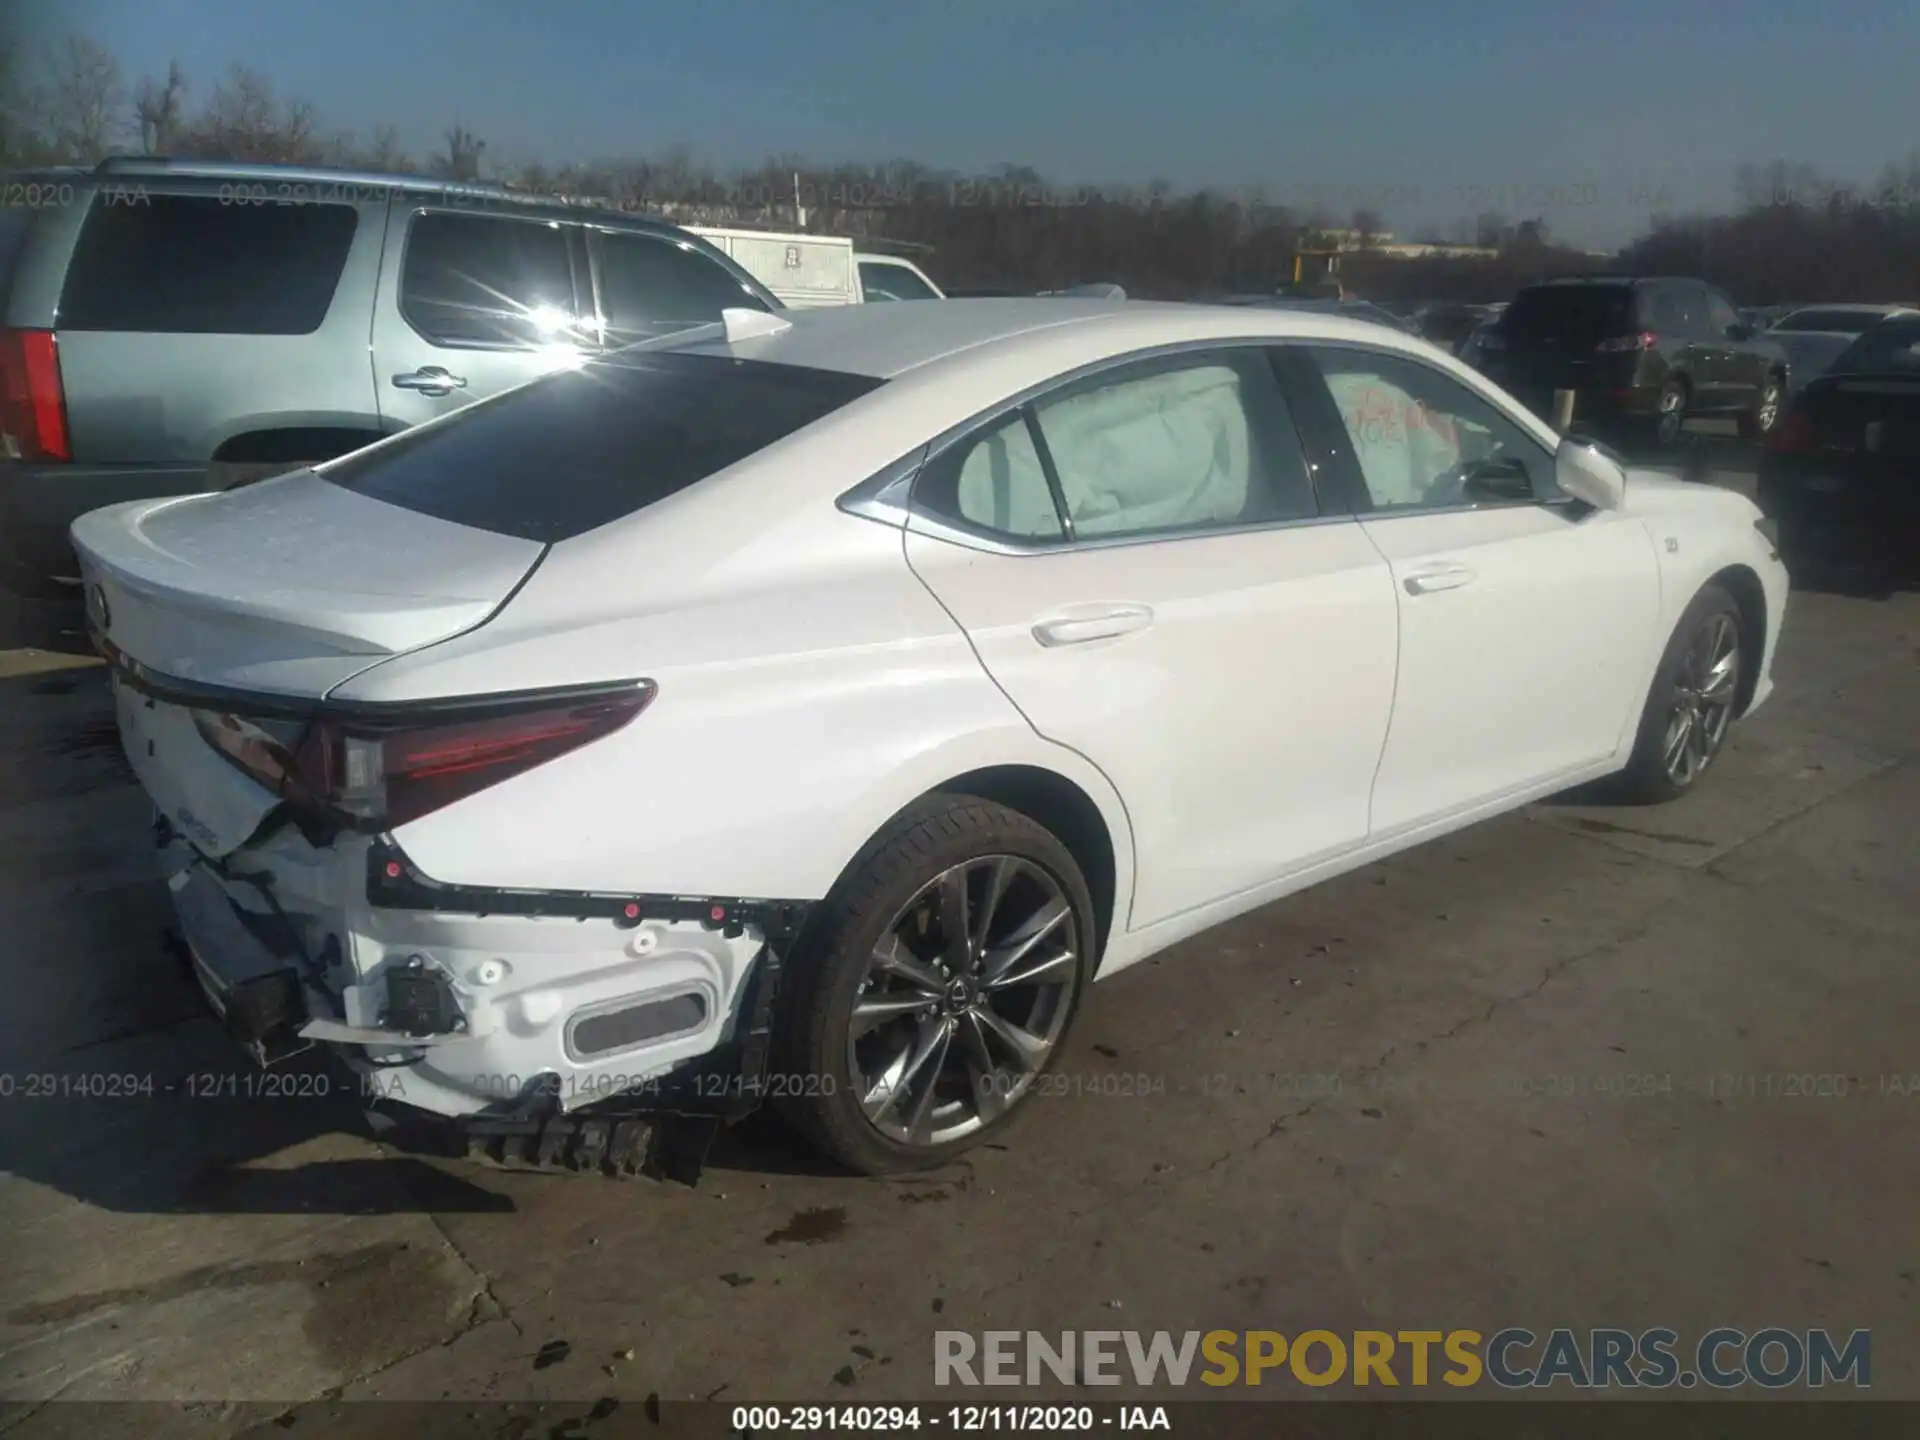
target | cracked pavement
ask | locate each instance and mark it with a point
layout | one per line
(1540, 1073)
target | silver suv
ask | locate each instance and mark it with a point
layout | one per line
(174, 327)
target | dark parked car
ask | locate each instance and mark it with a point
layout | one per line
(1840, 474)
(1640, 353)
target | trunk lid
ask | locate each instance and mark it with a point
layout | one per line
(287, 587)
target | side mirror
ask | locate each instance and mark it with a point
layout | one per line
(1589, 474)
(1741, 332)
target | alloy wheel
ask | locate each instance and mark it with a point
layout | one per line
(1673, 406)
(1703, 698)
(1769, 406)
(963, 999)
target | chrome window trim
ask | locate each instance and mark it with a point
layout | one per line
(886, 496)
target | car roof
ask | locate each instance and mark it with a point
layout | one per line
(1850, 308)
(155, 167)
(885, 341)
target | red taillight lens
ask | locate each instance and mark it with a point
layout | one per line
(1645, 340)
(33, 402)
(384, 775)
(1793, 433)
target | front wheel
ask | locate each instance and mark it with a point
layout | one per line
(1691, 705)
(935, 986)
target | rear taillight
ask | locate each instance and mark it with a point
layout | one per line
(1793, 433)
(33, 402)
(1645, 340)
(375, 775)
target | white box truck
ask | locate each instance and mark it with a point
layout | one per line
(803, 271)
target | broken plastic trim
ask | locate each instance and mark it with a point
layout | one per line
(394, 882)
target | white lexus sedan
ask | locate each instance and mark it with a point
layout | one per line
(811, 706)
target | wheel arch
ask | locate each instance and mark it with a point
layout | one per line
(1063, 807)
(1743, 584)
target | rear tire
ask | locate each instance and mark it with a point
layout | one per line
(957, 1021)
(1670, 413)
(1691, 705)
(1755, 423)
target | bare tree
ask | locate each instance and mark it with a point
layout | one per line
(461, 159)
(82, 101)
(245, 120)
(157, 110)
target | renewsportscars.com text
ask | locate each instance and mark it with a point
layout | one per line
(1514, 1358)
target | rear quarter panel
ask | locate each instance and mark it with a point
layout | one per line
(809, 688)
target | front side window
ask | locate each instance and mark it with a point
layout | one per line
(194, 265)
(1176, 445)
(1721, 315)
(1423, 441)
(652, 285)
(880, 281)
(487, 281)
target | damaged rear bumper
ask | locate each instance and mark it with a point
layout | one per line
(593, 1031)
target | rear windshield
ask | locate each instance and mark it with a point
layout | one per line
(198, 265)
(13, 239)
(573, 451)
(1579, 314)
(1892, 347)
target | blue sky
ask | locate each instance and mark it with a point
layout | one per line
(1592, 115)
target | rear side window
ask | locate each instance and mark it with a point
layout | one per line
(576, 450)
(1578, 315)
(193, 265)
(487, 281)
(880, 281)
(651, 285)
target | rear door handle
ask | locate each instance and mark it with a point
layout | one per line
(431, 380)
(1438, 577)
(1079, 629)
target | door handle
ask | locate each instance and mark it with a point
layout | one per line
(431, 380)
(1079, 629)
(1439, 577)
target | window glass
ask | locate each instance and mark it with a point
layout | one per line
(1576, 315)
(191, 265)
(880, 281)
(1425, 441)
(1177, 445)
(994, 482)
(1839, 322)
(577, 449)
(1720, 314)
(487, 281)
(651, 285)
(1890, 347)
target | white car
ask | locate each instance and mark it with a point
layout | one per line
(930, 660)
